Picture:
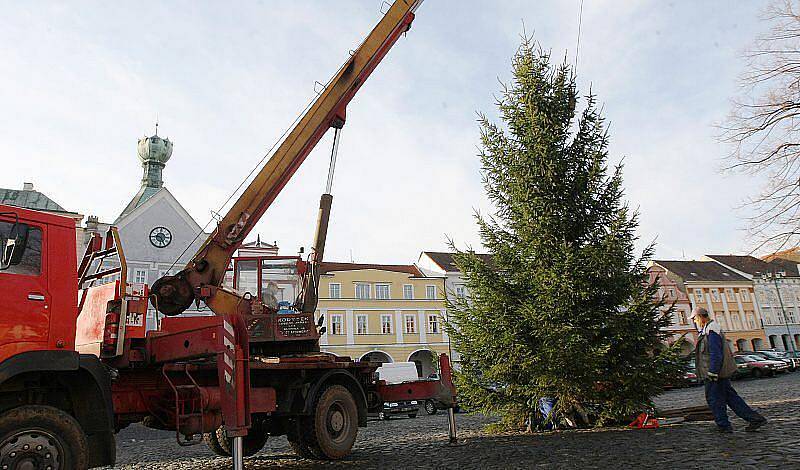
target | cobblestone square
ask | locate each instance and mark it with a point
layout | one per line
(421, 442)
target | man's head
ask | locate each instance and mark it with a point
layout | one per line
(700, 316)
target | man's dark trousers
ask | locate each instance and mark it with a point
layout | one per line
(720, 395)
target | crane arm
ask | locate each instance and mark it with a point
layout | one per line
(206, 270)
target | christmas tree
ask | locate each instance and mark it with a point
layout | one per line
(563, 309)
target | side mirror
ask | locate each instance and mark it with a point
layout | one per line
(7, 245)
(13, 244)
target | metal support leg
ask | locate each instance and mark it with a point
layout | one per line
(238, 453)
(451, 415)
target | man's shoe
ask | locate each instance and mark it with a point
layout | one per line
(722, 430)
(756, 423)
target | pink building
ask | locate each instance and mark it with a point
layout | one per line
(674, 292)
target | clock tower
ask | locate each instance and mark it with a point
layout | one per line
(158, 234)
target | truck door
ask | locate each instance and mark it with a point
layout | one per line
(24, 296)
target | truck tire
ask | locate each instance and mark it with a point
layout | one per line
(220, 444)
(213, 444)
(430, 407)
(37, 436)
(334, 424)
(303, 450)
(297, 440)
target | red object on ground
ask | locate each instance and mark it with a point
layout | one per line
(644, 421)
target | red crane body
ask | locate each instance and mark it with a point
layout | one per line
(83, 370)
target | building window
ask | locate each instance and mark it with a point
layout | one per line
(361, 324)
(745, 295)
(335, 291)
(430, 292)
(722, 323)
(767, 317)
(382, 291)
(461, 292)
(140, 276)
(336, 324)
(751, 319)
(682, 317)
(671, 293)
(433, 324)
(715, 295)
(698, 295)
(362, 291)
(790, 313)
(737, 323)
(411, 324)
(729, 294)
(408, 291)
(386, 324)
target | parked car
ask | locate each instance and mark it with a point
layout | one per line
(396, 373)
(410, 408)
(758, 366)
(782, 356)
(432, 406)
(690, 373)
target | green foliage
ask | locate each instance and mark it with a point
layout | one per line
(563, 309)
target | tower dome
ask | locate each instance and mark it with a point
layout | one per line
(154, 152)
(154, 148)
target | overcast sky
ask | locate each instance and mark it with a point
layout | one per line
(80, 82)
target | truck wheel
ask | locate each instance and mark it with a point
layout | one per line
(213, 444)
(41, 437)
(220, 444)
(430, 407)
(303, 450)
(334, 425)
(298, 443)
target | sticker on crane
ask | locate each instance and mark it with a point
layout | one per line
(135, 319)
(136, 289)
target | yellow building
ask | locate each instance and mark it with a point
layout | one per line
(384, 313)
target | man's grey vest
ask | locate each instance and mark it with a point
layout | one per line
(703, 358)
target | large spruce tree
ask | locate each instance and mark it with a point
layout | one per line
(563, 309)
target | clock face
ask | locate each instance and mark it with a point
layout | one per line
(160, 237)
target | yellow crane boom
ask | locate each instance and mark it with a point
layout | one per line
(203, 275)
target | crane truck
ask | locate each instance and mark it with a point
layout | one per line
(77, 363)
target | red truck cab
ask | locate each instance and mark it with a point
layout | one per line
(43, 380)
(31, 288)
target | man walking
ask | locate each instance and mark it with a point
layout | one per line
(715, 366)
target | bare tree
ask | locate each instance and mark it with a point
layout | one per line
(764, 128)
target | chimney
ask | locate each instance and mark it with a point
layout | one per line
(27, 186)
(91, 223)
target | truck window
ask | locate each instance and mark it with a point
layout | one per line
(31, 262)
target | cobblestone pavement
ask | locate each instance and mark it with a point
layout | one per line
(421, 442)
